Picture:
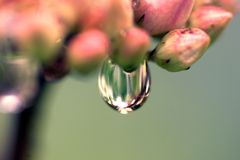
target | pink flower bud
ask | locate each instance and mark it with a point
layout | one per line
(131, 48)
(110, 16)
(66, 11)
(36, 32)
(230, 5)
(199, 3)
(40, 35)
(211, 19)
(180, 48)
(87, 50)
(159, 16)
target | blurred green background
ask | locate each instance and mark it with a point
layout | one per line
(192, 115)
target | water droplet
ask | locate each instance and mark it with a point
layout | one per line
(135, 3)
(18, 77)
(18, 83)
(124, 91)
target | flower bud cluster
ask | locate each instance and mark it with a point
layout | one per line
(185, 28)
(65, 35)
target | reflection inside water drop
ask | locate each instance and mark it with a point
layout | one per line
(124, 91)
(10, 103)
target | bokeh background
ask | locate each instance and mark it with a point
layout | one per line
(192, 115)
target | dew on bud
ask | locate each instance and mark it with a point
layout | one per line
(180, 48)
(124, 91)
(135, 3)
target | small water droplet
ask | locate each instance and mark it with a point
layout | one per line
(135, 3)
(124, 91)
(18, 83)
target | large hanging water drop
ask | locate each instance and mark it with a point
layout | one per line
(18, 80)
(124, 91)
(18, 84)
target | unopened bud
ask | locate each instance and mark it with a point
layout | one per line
(87, 50)
(211, 19)
(131, 48)
(66, 11)
(180, 48)
(230, 5)
(38, 35)
(159, 16)
(110, 16)
(199, 3)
